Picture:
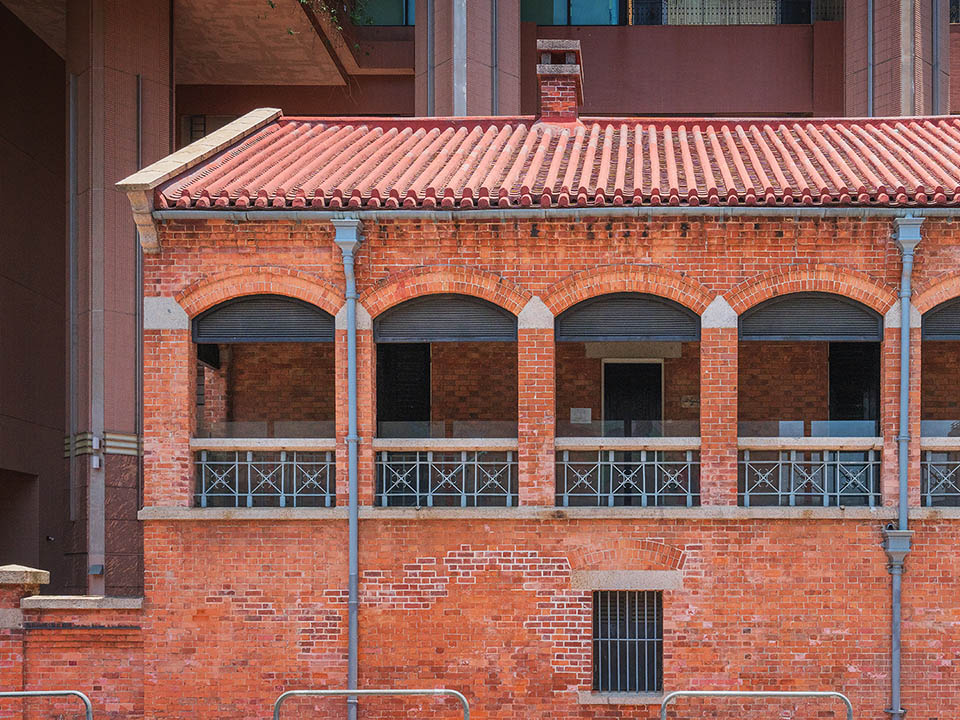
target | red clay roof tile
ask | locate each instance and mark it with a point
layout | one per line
(368, 163)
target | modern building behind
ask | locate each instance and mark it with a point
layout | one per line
(101, 88)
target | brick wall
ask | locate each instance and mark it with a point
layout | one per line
(473, 381)
(784, 381)
(940, 380)
(580, 382)
(280, 381)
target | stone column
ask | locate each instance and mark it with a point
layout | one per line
(537, 405)
(718, 404)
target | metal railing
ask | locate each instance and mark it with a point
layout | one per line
(940, 478)
(365, 693)
(755, 694)
(88, 708)
(637, 477)
(447, 478)
(806, 477)
(263, 478)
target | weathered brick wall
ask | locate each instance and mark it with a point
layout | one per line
(580, 382)
(473, 381)
(213, 384)
(940, 380)
(784, 381)
(281, 381)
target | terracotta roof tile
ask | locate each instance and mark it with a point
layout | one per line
(367, 163)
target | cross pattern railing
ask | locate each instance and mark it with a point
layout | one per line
(438, 478)
(809, 477)
(607, 478)
(266, 479)
(940, 478)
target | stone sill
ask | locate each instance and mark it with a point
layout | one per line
(627, 443)
(444, 444)
(810, 443)
(602, 698)
(935, 513)
(80, 602)
(262, 444)
(709, 512)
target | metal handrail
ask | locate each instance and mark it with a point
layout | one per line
(53, 693)
(352, 693)
(756, 693)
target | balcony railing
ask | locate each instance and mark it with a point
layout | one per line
(641, 472)
(239, 472)
(940, 471)
(446, 473)
(809, 472)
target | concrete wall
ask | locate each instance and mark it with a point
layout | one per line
(714, 71)
(32, 301)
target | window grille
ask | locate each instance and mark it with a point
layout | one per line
(826, 478)
(609, 478)
(266, 479)
(940, 478)
(447, 479)
(627, 641)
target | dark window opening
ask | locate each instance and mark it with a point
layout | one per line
(632, 399)
(955, 11)
(627, 641)
(855, 385)
(385, 12)
(682, 12)
(403, 384)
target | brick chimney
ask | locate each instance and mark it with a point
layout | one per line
(559, 79)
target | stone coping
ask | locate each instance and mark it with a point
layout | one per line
(80, 602)
(263, 444)
(709, 512)
(934, 513)
(810, 443)
(22, 575)
(627, 443)
(585, 697)
(940, 443)
(444, 444)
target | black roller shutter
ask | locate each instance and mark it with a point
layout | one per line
(811, 316)
(627, 316)
(445, 318)
(942, 322)
(263, 318)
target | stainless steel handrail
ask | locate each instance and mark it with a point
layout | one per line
(360, 693)
(755, 694)
(53, 693)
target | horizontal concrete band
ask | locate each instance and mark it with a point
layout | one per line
(80, 602)
(112, 444)
(263, 444)
(626, 579)
(600, 698)
(709, 512)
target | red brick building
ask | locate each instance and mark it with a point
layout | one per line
(628, 419)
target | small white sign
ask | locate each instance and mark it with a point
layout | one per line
(581, 416)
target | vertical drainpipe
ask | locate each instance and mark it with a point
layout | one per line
(494, 61)
(935, 53)
(896, 542)
(138, 294)
(73, 357)
(869, 58)
(460, 58)
(348, 236)
(431, 71)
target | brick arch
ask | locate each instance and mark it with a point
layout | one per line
(433, 279)
(209, 291)
(629, 554)
(815, 278)
(606, 279)
(932, 293)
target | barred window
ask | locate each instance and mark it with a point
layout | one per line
(627, 641)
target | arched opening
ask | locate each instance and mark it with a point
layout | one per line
(447, 383)
(940, 405)
(265, 370)
(628, 396)
(809, 401)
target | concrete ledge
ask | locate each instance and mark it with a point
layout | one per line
(944, 444)
(627, 443)
(10, 618)
(80, 602)
(600, 698)
(444, 444)
(22, 575)
(509, 514)
(626, 579)
(264, 444)
(935, 513)
(810, 443)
